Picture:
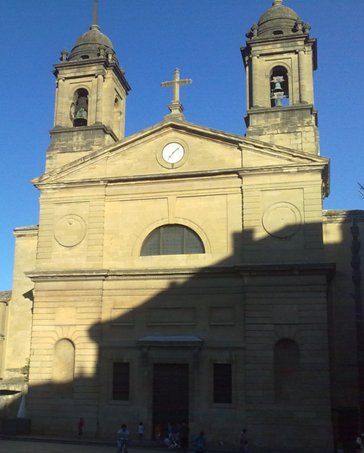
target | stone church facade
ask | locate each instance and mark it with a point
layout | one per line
(185, 273)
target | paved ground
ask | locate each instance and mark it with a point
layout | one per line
(27, 446)
(64, 446)
(20, 446)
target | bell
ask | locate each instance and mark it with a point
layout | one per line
(277, 80)
(80, 117)
(277, 87)
(277, 98)
(277, 93)
(81, 114)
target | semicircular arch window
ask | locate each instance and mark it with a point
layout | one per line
(172, 240)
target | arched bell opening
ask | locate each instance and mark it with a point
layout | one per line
(80, 108)
(279, 87)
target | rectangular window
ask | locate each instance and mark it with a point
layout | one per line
(121, 381)
(222, 383)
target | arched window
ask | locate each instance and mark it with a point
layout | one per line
(172, 240)
(286, 370)
(279, 92)
(79, 109)
(64, 367)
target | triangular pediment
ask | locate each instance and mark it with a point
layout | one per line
(204, 151)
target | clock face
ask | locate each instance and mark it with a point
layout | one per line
(173, 153)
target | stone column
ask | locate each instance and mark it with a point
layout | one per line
(254, 82)
(55, 106)
(306, 79)
(3, 307)
(247, 83)
(100, 81)
(60, 92)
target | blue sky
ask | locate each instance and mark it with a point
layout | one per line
(151, 38)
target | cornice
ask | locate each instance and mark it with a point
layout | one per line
(57, 130)
(256, 270)
(342, 216)
(138, 178)
(91, 64)
(238, 172)
(30, 230)
(5, 297)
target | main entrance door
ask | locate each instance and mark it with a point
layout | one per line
(170, 394)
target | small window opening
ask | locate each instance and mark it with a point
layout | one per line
(279, 87)
(222, 383)
(80, 108)
(85, 57)
(277, 32)
(121, 381)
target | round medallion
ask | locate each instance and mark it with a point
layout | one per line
(282, 220)
(70, 230)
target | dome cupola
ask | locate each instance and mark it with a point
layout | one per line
(92, 44)
(279, 20)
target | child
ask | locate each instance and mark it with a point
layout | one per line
(140, 430)
(199, 445)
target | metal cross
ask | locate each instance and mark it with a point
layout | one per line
(176, 107)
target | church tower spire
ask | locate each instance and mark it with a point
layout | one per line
(279, 59)
(90, 97)
(95, 13)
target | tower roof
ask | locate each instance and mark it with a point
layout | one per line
(93, 43)
(278, 20)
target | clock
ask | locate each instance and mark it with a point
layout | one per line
(173, 152)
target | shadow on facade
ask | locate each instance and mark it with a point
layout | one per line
(242, 342)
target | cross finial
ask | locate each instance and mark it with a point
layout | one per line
(95, 25)
(175, 107)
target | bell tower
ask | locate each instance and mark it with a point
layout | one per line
(91, 91)
(279, 60)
